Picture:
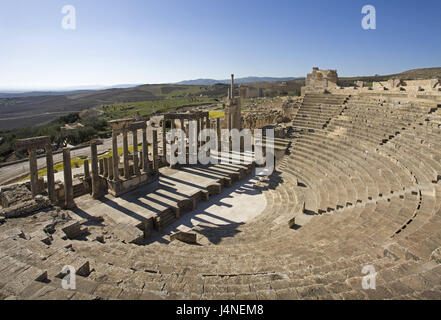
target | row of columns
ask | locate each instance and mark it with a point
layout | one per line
(110, 167)
(34, 144)
(202, 122)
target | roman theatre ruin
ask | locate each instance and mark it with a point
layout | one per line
(356, 187)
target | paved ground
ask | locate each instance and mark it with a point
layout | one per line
(239, 204)
(181, 186)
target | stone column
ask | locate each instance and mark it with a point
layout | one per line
(86, 169)
(68, 187)
(115, 157)
(198, 130)
(33, 171)
(126, 155)
(50, 174)
(106, 167)
(101, 166)
(110, 168)
(135, 153)
(230, 118)
(183, 139)
(164, 141)
(208, 127)
(95, 173)
(172, 126)
(232, 87)
(201, 143)
(145, 152)
(155, 151)
(140, 159)
(218, 133)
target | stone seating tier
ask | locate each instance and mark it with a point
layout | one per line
(371, 197)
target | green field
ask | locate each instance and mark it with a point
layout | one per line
(147, 108)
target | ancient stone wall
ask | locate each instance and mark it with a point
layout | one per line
(247, 92)
(320, 81)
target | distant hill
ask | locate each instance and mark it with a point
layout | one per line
(18, 110)
(39, 93)
(414, 74)
(31, 110)
(209, 82)
(66, 91)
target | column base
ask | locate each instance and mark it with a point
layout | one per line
(122, 186)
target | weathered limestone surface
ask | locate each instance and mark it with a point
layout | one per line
(25, 207)
(14, 194)
(320, 81)
(187, 237)
(73, 230)
(358, 185)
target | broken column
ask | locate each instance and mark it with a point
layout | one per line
(68, 187)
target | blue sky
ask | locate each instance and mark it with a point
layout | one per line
(145, 41)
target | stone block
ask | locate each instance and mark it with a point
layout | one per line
(215, 188)
(73, 230)
(186, 237)
(81, 266)
(292, 222)
(128, 234)
(436, 256)
(25, 207)
(14, 194)
(41, 236)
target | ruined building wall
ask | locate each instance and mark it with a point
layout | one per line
(247, 92)
(320, 81)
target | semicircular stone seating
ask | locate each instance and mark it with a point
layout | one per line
(362, 178)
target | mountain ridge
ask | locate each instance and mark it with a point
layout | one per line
(251, 79)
